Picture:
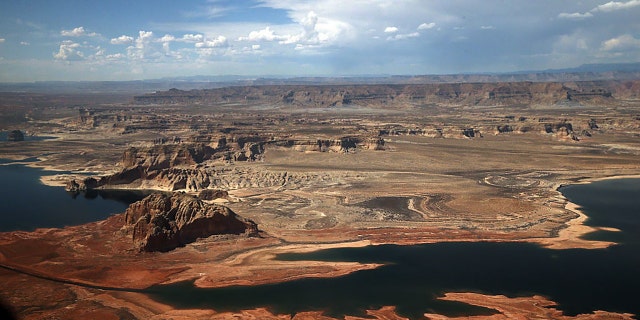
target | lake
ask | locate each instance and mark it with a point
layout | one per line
(28, 204)
(581, 281)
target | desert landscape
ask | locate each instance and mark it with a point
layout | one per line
(246, 173)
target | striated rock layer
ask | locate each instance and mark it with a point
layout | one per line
(180, 166)
(379, 96)
(162, 222)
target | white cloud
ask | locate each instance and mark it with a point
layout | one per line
(575, 16)
(425, 26)
(616, 5)
(141, 49)
(390, 30)
(115, 57)
(78, 32)
(344, 32)
(218, 42)
(316, 32)
(265, 34)
(167, 38)
(404, 36)
(2, 40)
(68, 51)
(192, 38)
(144, 35)
(622, 43)
(122, 40)
(24, 43)
(607, 7)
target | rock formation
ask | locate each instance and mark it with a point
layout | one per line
(167, 156)
(162, 222)
(15, 135)
(180, 166)
(379, 95)
(81, 185)
(212, 194)
(471, 133)
(504, 128)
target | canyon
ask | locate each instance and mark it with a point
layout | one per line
(245, 173)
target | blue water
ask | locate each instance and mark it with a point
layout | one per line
(581, 281)
(27, 204)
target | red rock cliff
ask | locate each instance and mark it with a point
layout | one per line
(162, 222)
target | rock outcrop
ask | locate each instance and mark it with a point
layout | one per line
(171, 167)
(379, 95)
(179, 166)
(212, 194)
(162, 222)
(81, 185)
(15, 135)
(167, 156)
(471, 133)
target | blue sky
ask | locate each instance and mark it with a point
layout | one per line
(125, 40)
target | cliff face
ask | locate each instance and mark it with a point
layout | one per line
(499, 93)
(169, 167)
(163, 222)
(166, 156)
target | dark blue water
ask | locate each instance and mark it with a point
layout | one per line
(27, 204)
(610, 203)
(581, 281)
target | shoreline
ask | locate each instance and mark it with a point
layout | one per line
(570, 237)
(261, 261)
(567, 238)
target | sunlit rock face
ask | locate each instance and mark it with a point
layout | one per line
(162, 222)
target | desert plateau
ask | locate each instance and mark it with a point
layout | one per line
(239, 176)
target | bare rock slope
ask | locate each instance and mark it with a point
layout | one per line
(162, 222)
(499, 93)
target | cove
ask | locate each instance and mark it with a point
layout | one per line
(579, 280)
(28, 204)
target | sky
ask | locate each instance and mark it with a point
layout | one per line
(79, 40)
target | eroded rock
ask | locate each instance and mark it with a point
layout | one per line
(212, 194)
(81, 185)
(162, 222)
(15, 135)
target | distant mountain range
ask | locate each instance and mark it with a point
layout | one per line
(593, 68)
(585, 72)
